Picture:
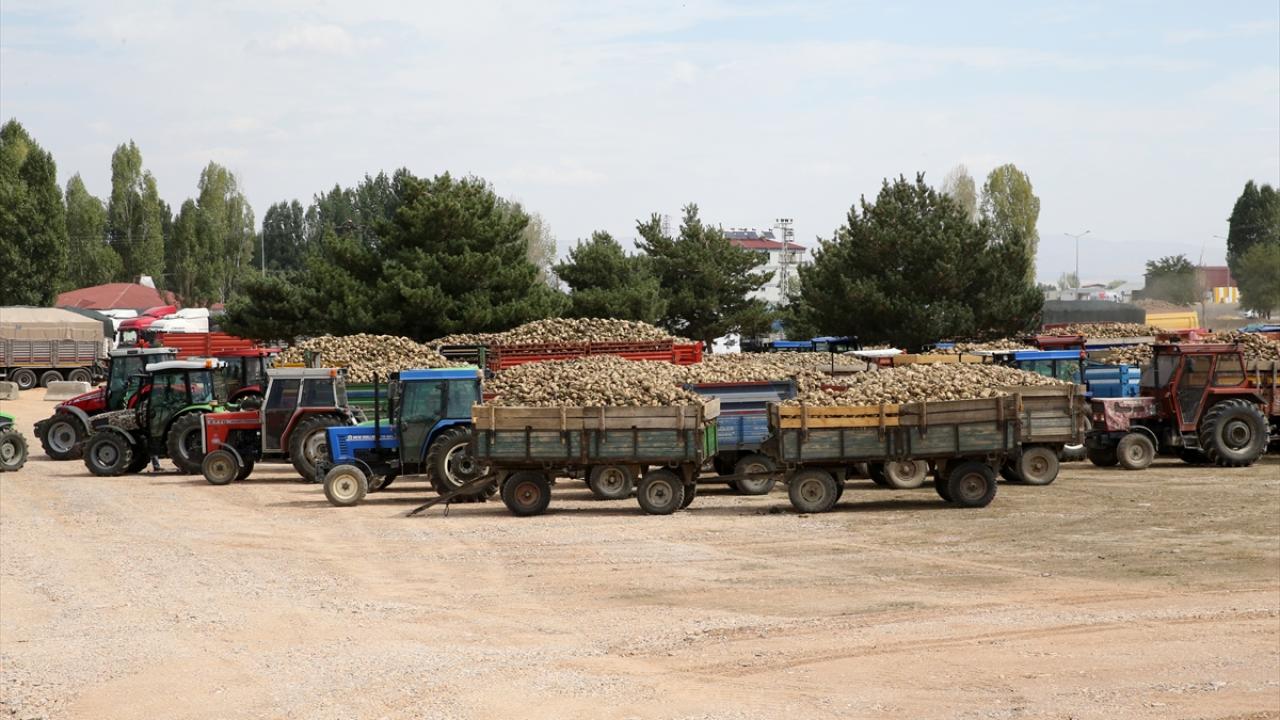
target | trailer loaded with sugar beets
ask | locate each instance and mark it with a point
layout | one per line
(300, 405)
(500, 356)
(62, 434)
(165, 422)
(1202, 402)
(427, 430)
(741, 429)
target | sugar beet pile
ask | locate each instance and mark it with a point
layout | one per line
(363, 355)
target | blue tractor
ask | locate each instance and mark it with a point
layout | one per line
(427, 431)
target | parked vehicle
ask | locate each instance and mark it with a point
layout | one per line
(130, 331)
(186, 320)
(1199, 401)
(207, 344)
(300, 405)
(246, 374)
(13, 446)
(166, 422)
(741, 429)
(1051, 420)
(428, 431)
(43, 345)
(62, 433)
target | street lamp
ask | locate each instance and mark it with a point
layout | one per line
(1077, 236)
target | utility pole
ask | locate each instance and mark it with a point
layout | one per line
(1077, 236)
(785, 229)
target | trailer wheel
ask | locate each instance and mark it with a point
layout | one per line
(754, 464)
(905, 474)
(812, 491)
(690, 492)
(526, 493)
(80, 375)
(1135, 451)
(1038, 466)
(220, 467)
(610, 482)
(49, 376)
(940, 487)
(1233, 433)
(1103, 457)
(24, 378)
(183, 443)
(660, 492)
(246, 470)
(875, 471)
(345, 485)
(972, 485)
(108, 453)
(1009, 471)
(61, 435)
(13, 449)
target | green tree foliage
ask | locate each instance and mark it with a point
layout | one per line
(1259, 278)
(451, 259)
(90, 259)
(1013, 209)
(33, 224)
(1254, 220)
(706, 280)
(190, 263)
(285, 237)
(358, 210)
(135, 221)
(911, 269)
(1172, 279)
(224, 227)
(959, 185)
(605, 282)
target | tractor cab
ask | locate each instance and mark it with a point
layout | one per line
(127, 363)
(246, 374)
(427, 432)
(293, 393)
(1066, 365)
(1184, 379)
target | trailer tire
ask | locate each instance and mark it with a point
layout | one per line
(1135, 451)
(80, 375)
(972, 485)
(183, 443)
(24, 378)
(690, 492)
(875, 471)
(526, 493)
(345, 485)
(940, 487)
(451, 466)
(1233, 433)
(109, 453)
(49, 376)
(610, 482)
(1038, 466)
(754, 464)
(220, 467)
(61, 436)
(1103, 457)
(306, 441)
(1009, 472)
(905, 474)
(660, 492)
(812, 491)
(13, 449)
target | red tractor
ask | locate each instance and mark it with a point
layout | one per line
(63, 433)
(1199, 401)
(246, 374)
(300, 404)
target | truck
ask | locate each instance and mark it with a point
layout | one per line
(741, 429)
(426, 431)
(164, 423)
(300, 405)
(965, 441)
(43, 345)
(1202, 402)
(62, 433)
(131, 330)
(13, 446)
(186, 320)
(525, 448)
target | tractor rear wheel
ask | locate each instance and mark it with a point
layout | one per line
(754, 464)
(1038, 465)
(1135, 451)
(345, 485)
(972, 485)
(451, 465)
(109, 453)
(61, 435)
(13, 449)
(220, 467)
(184, 443)
(307, 441)
(526, 493)
(1233, 433)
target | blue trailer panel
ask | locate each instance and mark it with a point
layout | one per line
(744, 411)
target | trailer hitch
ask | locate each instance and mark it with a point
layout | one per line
(463, 489)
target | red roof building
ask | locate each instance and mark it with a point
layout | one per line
(114, 296)
(760, 240)
(1212, 276)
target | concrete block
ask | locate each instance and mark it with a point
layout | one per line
(65, 390)
(8, 390)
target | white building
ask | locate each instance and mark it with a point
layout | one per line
(783, 260)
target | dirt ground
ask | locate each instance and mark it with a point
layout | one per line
(1106, 595)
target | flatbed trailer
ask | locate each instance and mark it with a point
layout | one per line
(525, 448)
(964, 440)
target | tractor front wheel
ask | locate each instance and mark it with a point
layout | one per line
(61, 436)
(220, 467)
(109, 453)
(345, 485)
(1135, 451)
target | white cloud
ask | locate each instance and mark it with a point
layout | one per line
(321, 39)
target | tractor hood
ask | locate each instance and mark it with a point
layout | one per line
(1115, 414)
(91, 402)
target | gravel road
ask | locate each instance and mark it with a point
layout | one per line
(1106, 595)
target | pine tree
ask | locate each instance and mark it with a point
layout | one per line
(605, 282)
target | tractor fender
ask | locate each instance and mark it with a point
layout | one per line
(439, 428)
(1148, 432)
(201, 409)
(79, 414)
(236, 453)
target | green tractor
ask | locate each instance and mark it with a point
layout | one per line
(13, 446)
(164, 423)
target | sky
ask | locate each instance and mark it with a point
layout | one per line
(1137, 121)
